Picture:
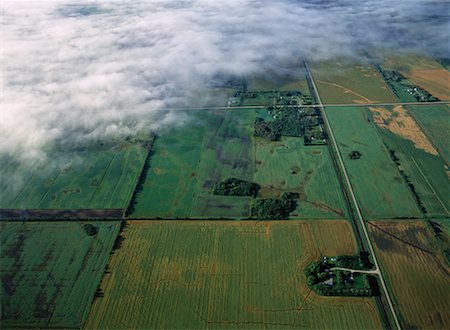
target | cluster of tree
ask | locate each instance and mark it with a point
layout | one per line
(236, 187)
(275, 208)
(408, 182)
(354, 262)
(354, 154)
(420, 94)
(90, 229)
(287, 122)
(342, 288)
(342, 284)
(393, 75)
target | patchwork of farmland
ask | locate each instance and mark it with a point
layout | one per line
(379, 188)
(415, 271)
(417, 159)
(187, 161)
(50, 271)
(226, 274)
(350, 82)
(90, 179)
(422, 71)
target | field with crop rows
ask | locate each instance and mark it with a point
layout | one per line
(226, 274)
(376, 181)
(289, 166)
(88, 179)
(50, 272)
(415, 271)
(350, 82)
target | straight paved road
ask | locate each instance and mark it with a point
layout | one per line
(377, 269)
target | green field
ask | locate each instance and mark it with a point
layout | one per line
(188, 160)
(289, 166)
(197, 275)
(90, 179)
(376, 181)
(426, 172)
(50, 272)
(341, 82)
(434, 121)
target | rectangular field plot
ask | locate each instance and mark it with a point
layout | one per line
(50, 271)
(342, 82)
(198, 275)
(91, 179)
(417, 158)
(379, 188)
(289, 166)
(415, 272)
(188, 160)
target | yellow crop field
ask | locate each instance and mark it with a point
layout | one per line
(416, 272)
(193, 274)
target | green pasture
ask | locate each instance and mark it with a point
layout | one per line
(50, 272)
(73, 180)
(378, 186)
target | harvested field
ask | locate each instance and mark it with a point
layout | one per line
(50, 271)
(226, 274)
(437, 82)
(415, 271)
(398, 121)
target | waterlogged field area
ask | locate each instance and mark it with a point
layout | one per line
(90, 179)
(187, 161)
(226, 274)
(350, 82)
(379, 188)
(415, 271)
(50, 271)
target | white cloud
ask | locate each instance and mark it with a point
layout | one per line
(75, 71)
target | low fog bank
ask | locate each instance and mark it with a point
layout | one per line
(76, 71)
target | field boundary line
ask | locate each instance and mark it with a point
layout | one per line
(355, 202)
(429, 184)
